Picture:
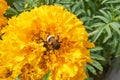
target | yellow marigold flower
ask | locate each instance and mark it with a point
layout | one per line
(46, 38)
(3, 8)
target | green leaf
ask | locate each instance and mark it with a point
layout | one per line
(89, 12)
(66, 2)
(46, 76)
(104, 1)
(74, 8)
(110, 16)
(105, 14)
(108, 30)
(98, 24)
(115, 27)
(102, 18)
(11, 12)
(28, 1)
(9, 2)
(92, 5)
(57, 0)
(97, 57)
(78, 12)
(114, 42)
(118, 50)
(97, 48)
(91, 69)
(18, 6)
(98, 33)
(114, 1)
(97, 65)
(117, 24)
(18, 78)
(47, 2)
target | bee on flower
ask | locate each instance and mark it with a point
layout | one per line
(51, 42)
(36, 32)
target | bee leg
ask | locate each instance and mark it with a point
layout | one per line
(58, 37)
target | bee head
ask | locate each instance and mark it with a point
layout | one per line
(49, 37)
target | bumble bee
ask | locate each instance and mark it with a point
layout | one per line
(52, 43)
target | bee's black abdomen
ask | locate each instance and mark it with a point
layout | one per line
(56, 46)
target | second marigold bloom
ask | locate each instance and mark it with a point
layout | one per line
(33, 37)
(3, 8)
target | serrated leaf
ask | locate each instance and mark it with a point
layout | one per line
(82, 4)
(46, 76)
(105, 14)
(92, 5)
(110, 15)
(117, 24)
(47, 2)
(115, 1)
(97, 57)
(97, 24)
(34, 3)
(104, 1)
(89, 12)
(11, 12)
(91, 69)
(115, 27)
(73, 9)
(52, 1)
(104, 19)
(117, 8)
(66, 2)
(97, 48)
(98, 33)
(10, 2)
(78, 12)
(114, 42)
(97, 65)
(18, 6)
(108, 30)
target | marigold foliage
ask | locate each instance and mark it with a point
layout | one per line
(22, 51)
(3, 8)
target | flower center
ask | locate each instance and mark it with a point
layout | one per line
(52, 42)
